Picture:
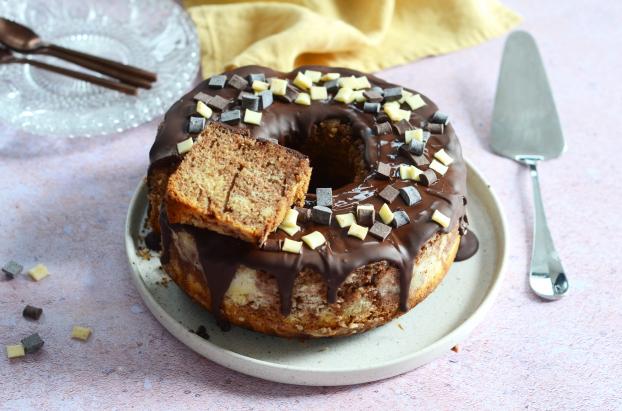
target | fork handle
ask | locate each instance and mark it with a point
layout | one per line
(127, 74)
(111, 84)
(544, 259)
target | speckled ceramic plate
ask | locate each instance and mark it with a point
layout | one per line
(427, 332)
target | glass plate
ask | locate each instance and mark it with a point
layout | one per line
(156, 35)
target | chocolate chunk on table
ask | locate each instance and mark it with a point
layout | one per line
(32, 343)
(12, 269)
(32, 312)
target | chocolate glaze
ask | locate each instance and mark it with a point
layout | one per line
(469, 244)
(291, 124)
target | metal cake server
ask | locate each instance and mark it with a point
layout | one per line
(525, 128)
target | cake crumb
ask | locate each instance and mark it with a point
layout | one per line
(400, 326)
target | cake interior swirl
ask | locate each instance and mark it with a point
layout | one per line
(316, 203)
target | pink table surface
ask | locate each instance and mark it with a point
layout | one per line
(63, 203)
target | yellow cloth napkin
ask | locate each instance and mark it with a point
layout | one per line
(362, 34)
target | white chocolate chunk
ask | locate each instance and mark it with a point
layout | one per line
(278, 86)
(259, 86)
(292, 246)
(184, 146)
(345, 220)
(361, 83)
(345, 95)
(414, 134)
(442, 156)
(358, 96)
(441, 219)
(303, 81)
(438, 167)
(391, 105)
(291, 217)
(385, 213)
(81, 333)
(408, 172)
(289, 229)
(357, 231)
(348, 82)
(319, 93)
(313, 75)
(415, 102)
(403, 115)
(405, 95)
(314, 240)
(394, 111)
(330, 76)
(14, 351)
(203, 109)
(252, 117)
(38, 272)
(303, 99)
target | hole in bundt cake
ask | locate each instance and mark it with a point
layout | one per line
(336, 157)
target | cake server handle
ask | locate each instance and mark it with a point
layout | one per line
(547, 277)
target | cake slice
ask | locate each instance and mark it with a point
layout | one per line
(236, 185)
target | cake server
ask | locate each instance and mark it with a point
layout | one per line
(20, 38)
(525, 128)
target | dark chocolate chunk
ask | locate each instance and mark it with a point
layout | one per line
(378, 90)
(372, 96)
(324, 197)
(420, 161)
(265, 99)
(238, 82)
(400, 218)
(153, 241)
(402, 127)
(231, 116)
(426, 136)
(416, 147)
(383, 128)
(371, 107)
(217, 82)
(218, 103)
(272, 244)
(435, 128)
(256, 76)
(12, 269)
(389, 193)
(202, 332)
(251, 102)
(365, 215)
(428, 177)
(243, 94)
(32, 312)
(380, 231)
(32, 343)
(290, 94)
(196, 124)
(392, 93)
(383, 170)
(304, 215)
(410, 195)
(321, 215)
(439, 118)
(201, 96)
(332, 86)
(382, 117)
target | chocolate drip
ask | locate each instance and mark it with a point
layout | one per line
(291, 124)
(469, 244)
